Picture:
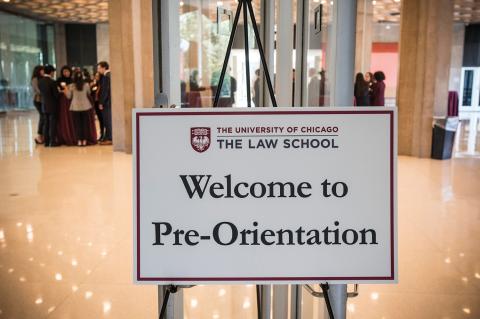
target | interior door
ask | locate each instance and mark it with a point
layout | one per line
(470, 89)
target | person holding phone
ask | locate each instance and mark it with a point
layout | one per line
(65, 77)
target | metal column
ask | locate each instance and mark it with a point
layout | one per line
(342, 77)
(170, 44)
(175, 303)
(284, 74)
(342, 52)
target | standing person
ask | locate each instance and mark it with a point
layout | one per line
(194, 82)
(86, 76)
(313, 88)
(323, 84)
(369, 80)
(38, 73)
(50, 95)
(226, 91)
(233, 89)
(105, 102)
(65, 77)
(95, 89)
(79, 93)
(361, 91)
(256, 88)
(378, 92)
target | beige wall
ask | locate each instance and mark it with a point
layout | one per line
(425, 46)
(60, 45)
(456, 59)
(131, 61)
(363, 36)
(103, 42)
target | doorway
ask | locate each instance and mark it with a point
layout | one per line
(470, 89)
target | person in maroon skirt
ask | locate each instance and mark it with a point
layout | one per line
(79, 93)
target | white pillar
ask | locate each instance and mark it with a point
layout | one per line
(267, 24)
(364, 33)
(342, 76)
(175, 303)
(284, 76)
(342, 63)
(170, 64)
(301, 48)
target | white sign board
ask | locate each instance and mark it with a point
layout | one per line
(265, 195)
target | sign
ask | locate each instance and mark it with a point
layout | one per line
(264, 195)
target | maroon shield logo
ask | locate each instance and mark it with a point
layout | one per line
(200, 138)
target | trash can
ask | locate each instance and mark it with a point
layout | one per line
(443, 136)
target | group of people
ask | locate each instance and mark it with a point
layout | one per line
(84, 93)
(369, 89)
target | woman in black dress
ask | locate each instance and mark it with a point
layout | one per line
(361, 91)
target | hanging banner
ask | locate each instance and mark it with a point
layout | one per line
(264, 195)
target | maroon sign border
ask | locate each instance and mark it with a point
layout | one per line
(220, 279)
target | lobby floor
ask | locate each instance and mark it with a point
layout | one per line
(66, 239)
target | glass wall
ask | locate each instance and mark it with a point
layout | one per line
(205, 27)
(319, 22)
(24, 43)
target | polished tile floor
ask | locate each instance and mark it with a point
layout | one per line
(66, 247)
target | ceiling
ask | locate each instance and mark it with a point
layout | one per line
(466, 11)
(77, 11)
(94, 11)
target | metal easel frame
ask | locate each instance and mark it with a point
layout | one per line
(247, 6)
(261, 291)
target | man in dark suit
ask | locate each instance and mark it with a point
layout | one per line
(50, 95)
(105, 101)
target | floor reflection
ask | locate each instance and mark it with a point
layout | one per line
(65, 238)
(17, 131)
(467, 140)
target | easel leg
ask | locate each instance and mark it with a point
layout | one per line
(247, 59)
(227, 55)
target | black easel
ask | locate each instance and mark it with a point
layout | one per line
(325, 288)
(170, 289)
(247, 6)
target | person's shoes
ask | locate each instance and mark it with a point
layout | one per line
(79, 143)
(105, 142)
(38, 141)
(54, 145)
(101, 139)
